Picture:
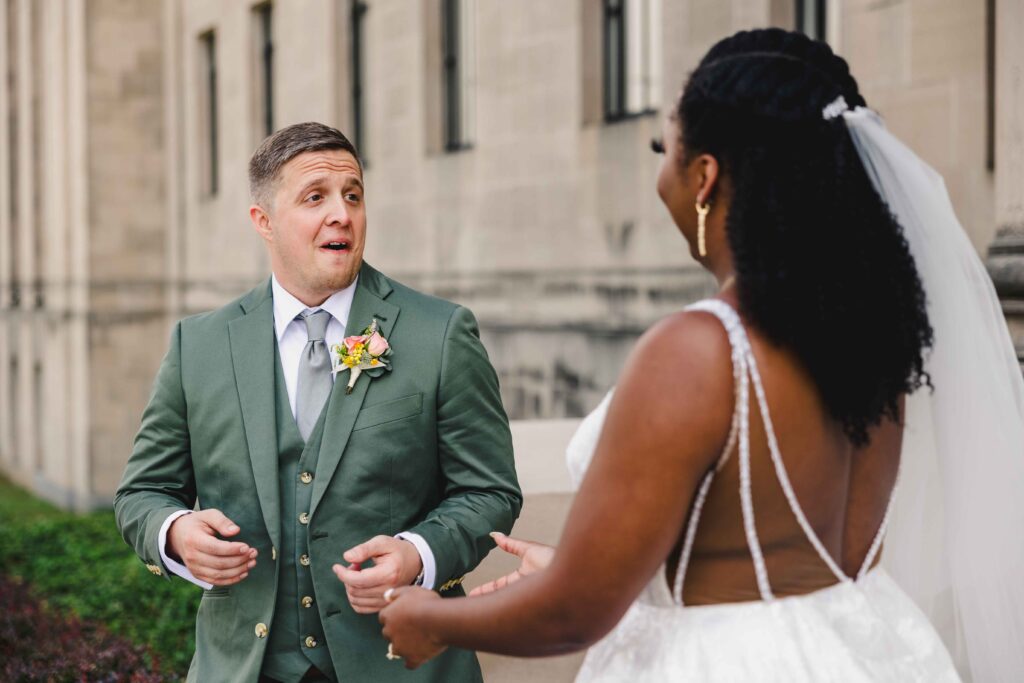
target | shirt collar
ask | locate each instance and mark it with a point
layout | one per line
(287, 307)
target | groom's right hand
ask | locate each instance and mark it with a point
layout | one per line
(193, 539)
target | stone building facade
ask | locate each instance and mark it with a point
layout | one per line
(82, 266)
(507, 168)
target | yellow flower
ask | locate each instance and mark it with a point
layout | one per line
(374, 362)
(349, 361)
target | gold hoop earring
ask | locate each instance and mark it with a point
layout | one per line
(702, 214)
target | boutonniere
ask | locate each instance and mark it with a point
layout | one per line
(366, 352)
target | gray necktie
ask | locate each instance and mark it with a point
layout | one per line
(314, 384)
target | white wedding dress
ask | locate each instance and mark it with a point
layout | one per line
(862, 628)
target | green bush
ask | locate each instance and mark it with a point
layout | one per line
(80, 565)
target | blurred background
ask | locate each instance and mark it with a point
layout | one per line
(507, 165)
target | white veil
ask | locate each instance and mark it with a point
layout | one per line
(956, 537)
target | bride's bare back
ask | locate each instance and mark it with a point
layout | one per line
(843, 491)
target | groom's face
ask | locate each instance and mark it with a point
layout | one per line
(316, 227)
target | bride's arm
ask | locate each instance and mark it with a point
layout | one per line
(665, 427)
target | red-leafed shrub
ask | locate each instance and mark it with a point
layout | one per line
(39, 644)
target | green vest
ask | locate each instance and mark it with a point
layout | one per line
(296, 635)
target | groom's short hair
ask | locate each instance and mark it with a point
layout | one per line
(286, 144)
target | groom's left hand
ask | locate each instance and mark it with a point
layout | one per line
(395, 563)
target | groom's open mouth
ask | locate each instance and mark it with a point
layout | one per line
(336, 246)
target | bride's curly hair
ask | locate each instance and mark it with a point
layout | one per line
(822, 265)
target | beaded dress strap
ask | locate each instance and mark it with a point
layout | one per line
(745, 371)
(698, 506)
(783, 476)
(880, 534)
(787, 487)
(740, 431)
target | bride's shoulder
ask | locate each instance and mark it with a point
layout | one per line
(685, 352)
(678, 383)
(698, 332)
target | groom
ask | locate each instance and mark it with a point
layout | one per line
(403, 478)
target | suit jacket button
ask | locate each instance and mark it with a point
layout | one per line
(307, 601)
(310, 642)
(304, 518)
(306, 478)
(261, 630)
(304, 560)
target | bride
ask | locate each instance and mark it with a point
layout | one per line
(735, 488)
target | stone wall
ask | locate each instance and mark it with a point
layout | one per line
(1006, 256)
(547, 224)
(127, 229)
(43, 233)
(922, 65)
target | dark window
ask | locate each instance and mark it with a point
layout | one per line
(358, 105)
(631, 63)
(208, 42)
(264, 17)
(614, 60)
(455, 92)
(450, 63)
(810, 18)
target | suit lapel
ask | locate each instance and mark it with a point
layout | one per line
(368, 304)
(252, 355)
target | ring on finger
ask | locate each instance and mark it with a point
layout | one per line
(391, 653)
(389, 595)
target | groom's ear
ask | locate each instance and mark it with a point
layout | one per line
(261, 221)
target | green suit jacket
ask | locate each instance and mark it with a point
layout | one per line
(424, 448)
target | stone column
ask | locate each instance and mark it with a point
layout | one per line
(6, 259)
(77, 383)
(1006, 254)
(24, 342)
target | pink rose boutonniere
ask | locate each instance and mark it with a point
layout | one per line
(367, 352)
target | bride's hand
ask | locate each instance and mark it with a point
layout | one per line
(401, 621)
(534, 557)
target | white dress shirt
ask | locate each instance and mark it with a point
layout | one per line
(291, 340)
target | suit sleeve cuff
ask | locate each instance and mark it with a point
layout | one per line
(426, 557)
(177, 567)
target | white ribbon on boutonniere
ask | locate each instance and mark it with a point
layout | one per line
(367, 352)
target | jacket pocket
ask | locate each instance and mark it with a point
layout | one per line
(389, 411)
(217, 592)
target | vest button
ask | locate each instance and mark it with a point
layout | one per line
(307, 602)
(273, 553)
(304, 518)
(304, 560)
(261, 630)
(306, 477)
(310, 642)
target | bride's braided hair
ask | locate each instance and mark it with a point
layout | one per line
(822, 265)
